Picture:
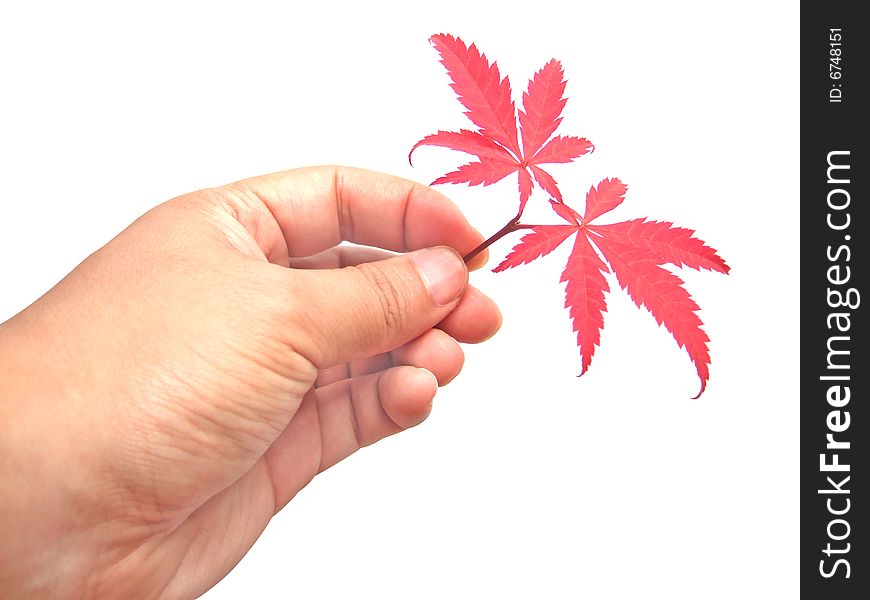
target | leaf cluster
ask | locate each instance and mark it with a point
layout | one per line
(636, 251)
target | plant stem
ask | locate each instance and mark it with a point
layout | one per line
(512, 225)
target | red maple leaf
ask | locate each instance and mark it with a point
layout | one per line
(634, 251)
(487, 98)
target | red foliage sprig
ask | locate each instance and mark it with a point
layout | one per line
(634, 251)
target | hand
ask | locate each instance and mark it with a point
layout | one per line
(182, 384)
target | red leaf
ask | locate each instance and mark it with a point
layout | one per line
(542, 104)
(670, 244)
(480, 89)
(584, 296)
(566, 212)
(487, 96)
(525, 185)
(609, 194)
(466, 141)
(541, 241)
(476, 173)
(562, 149)
(546, 181)
(663, 294)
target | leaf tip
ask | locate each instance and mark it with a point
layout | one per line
(414, 148)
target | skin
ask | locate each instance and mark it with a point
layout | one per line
(165, 399)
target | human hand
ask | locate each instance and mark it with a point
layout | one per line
(181, 385)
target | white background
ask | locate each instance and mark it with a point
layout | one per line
(526, 482)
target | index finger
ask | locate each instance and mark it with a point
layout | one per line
(316, 208)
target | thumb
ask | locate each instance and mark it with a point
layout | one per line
(363, 310)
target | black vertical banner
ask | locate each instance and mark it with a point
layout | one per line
(835, 343)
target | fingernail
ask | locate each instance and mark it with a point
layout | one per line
(429, 375)
(443, 272)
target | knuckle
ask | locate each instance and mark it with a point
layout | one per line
(392, 296)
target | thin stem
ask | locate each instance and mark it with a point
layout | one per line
(513, 225)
